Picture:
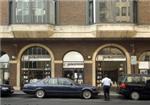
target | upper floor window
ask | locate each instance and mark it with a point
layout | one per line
(33, 11)
(113, 11)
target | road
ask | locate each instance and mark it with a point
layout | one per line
(23, 99)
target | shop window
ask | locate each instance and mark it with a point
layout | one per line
(35, 64)
(73, 66)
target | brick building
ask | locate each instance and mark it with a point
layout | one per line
(78, 39)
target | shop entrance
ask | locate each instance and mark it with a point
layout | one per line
(74, 74)
(110, 61)
(73, 67)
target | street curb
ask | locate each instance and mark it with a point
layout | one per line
(100, 94)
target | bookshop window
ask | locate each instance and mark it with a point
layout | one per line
(35, 64)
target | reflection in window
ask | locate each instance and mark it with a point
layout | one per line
(124, 11)
(33, 11)
(22, 11)
(39, 11)
(114, 10)
(64, 82)
(52, 81)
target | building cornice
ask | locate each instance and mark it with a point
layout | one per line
(75, 31)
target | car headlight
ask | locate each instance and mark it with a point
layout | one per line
(5, 88)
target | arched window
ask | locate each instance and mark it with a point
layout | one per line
(112, 61)
(73, 66)
(35, 64)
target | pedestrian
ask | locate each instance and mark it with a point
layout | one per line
(106, 83)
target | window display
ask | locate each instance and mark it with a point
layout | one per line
(35, 65)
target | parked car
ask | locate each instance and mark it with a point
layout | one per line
(134, 86)
(6, 90)
(59, 87)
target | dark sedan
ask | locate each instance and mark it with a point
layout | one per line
(59, 87)
(6, 90)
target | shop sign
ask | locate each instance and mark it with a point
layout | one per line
(144, 65)
(133, 60)
(36, 58)
(73, 64)
(110, 58)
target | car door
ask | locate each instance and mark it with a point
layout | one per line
(51, 86)
(68, 87)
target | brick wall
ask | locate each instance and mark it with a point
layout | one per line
(144, 12)
(4, 19)
(72, 12)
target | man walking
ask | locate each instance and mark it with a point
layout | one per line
(106, 83)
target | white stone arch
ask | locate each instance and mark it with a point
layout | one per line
(19, 60)
(77, 56)
(73, 56)
(108, 45)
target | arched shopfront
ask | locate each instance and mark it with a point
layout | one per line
(144, 63)
(111, 59)
(4, 68)
(73, 66)
(36, 63)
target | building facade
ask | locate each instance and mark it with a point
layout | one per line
(77, 39)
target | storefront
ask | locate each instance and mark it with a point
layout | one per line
(82, 62)
(35, 64)
(111, 60)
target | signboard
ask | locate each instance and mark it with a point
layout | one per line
(133, 60)
(144, 65)
(73, 64)
(36, 58)
(110, 58)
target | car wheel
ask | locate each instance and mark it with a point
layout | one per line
(40, 93)
(135, 95)
(86, 94)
